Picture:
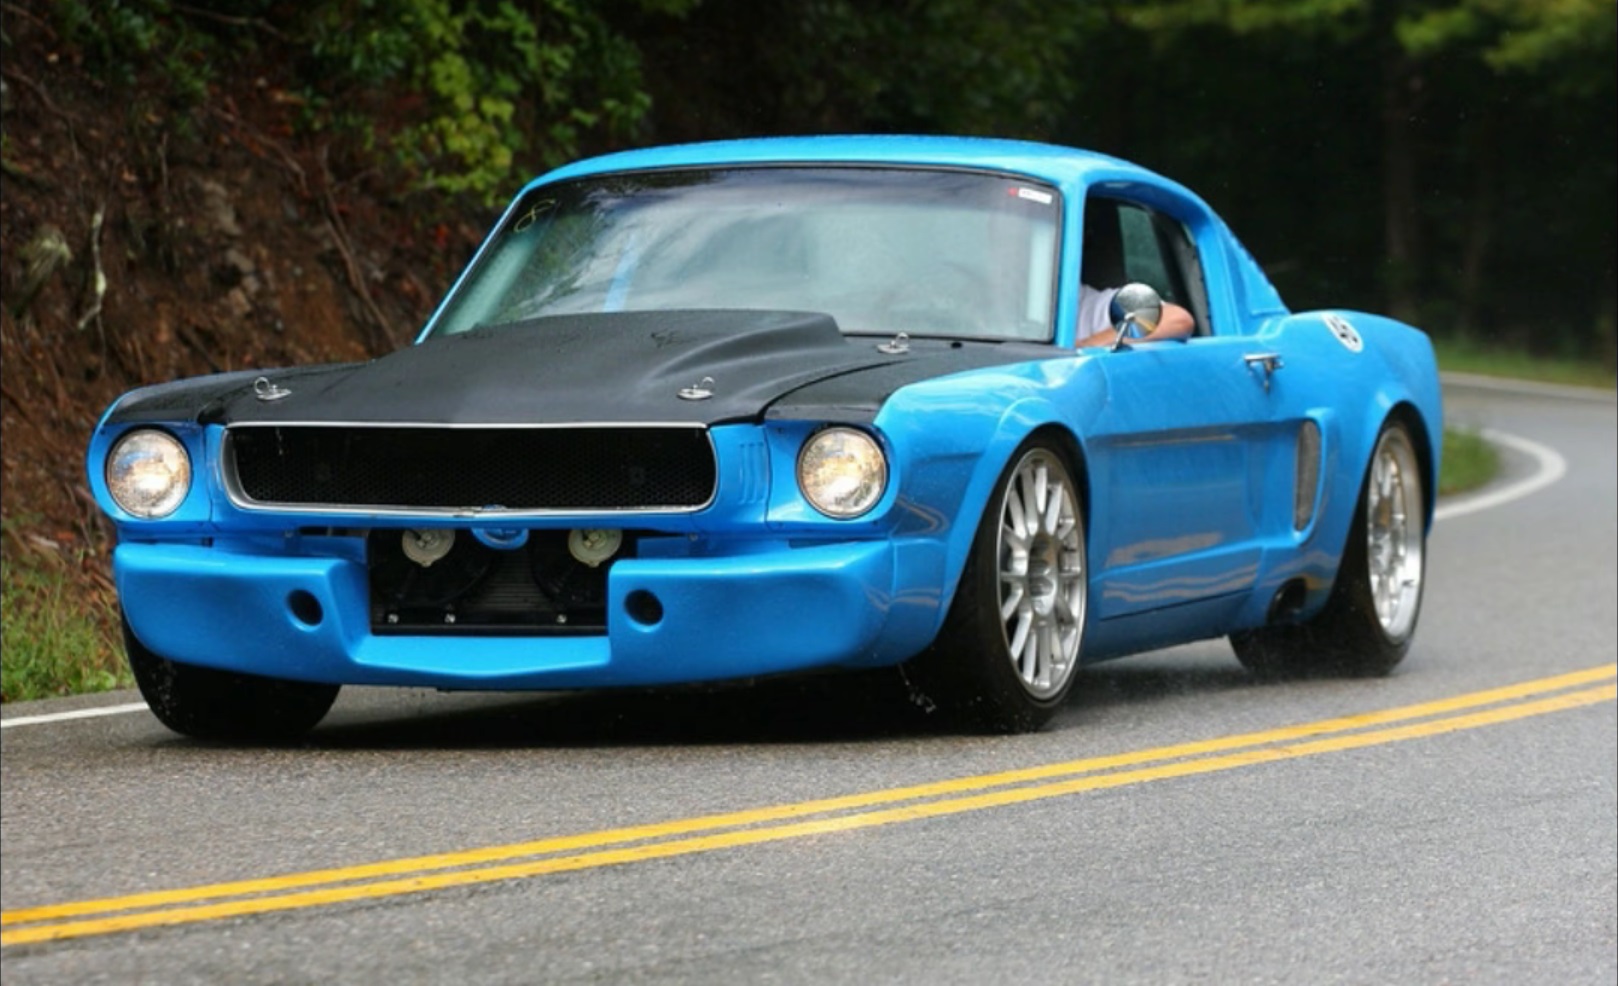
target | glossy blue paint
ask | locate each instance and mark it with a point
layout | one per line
(1185, 455)
(786, 609)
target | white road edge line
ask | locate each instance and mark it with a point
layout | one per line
(1478, 381)
(105, 710)
(1551, 468)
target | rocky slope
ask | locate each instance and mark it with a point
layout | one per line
(140, 243)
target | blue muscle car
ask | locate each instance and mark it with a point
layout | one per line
(736, 409)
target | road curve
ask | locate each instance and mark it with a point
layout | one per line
(1179, 823)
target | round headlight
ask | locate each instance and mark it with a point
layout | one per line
(842, 472)
(148, 473)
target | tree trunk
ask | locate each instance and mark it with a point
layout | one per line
(1401, 220)
(1480, 220)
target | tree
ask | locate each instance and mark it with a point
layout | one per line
(1457, 81)
(491, 90)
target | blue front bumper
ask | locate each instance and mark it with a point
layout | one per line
(307, 618)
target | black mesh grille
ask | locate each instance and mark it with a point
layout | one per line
(459, 468)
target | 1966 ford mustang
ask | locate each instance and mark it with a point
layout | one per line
(735, 409)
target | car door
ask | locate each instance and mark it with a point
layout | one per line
(1182, 454)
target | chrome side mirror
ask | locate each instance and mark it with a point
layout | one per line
(1135, 311)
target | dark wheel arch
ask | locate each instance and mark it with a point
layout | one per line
(1369, 619)
(207, 703)
(1007, 653)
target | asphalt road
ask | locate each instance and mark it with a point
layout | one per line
(1180, 823)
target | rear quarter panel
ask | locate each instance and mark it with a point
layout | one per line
(1350, 372)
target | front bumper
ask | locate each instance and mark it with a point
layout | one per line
(306, 618)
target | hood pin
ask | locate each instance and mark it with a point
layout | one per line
(264, 390)
(700, 392)
(897, 345)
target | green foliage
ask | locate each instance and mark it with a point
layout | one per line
(1245, 16)
(1446, 161)
(1571, 42)
(113, 34)
(1570, 39)
(122, 40)
(945, 66)
(1466, 356)
(482, 83)
(1421, 158)
(48, 646)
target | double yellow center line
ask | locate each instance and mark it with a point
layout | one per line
(681, 837)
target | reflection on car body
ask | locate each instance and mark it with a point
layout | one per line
(726, 410)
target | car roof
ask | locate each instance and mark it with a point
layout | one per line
(1058, 165)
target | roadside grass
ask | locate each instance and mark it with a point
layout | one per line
(1469, 462)
(55, 638)
(1467, 356)
(59, 630)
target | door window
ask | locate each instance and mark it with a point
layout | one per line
(1132, 242)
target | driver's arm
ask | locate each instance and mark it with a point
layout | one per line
(1175, 323)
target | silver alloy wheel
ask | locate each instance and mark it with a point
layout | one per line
(1393, 521)
(1042, 577)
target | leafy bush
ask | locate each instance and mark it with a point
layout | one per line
(121, 39)
(482, 84)
(462, 94)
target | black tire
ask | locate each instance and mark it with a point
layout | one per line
(206, 703)
(1011, 674)
(1367, 624)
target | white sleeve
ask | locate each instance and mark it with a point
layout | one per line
(1093, 306)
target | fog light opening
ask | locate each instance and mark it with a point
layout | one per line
(644, 608)
(306, 609)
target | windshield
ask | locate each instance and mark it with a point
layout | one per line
(881, 250)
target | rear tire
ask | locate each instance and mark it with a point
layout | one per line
(1369, 620)
(1005, 658)
(210, 704)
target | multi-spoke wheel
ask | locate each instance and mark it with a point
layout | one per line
(1367, 623)
(1041, 563)
(1393, 528)
(1010, 644)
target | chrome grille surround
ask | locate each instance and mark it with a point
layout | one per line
(468, 470)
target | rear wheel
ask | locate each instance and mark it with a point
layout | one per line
(1370, 618)
(1006, 655)
(223, 705)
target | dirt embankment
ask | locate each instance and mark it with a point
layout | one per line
(140, 243)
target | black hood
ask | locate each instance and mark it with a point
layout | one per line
(621, 367)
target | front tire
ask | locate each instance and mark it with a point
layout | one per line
(1369, 620)
(210, 704)
(1005, 658)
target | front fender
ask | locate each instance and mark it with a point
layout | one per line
(953, 468)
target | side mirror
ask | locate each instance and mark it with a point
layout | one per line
(1135, 311)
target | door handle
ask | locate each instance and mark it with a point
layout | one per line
(1268, 362)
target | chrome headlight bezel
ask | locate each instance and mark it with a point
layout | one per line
(148, 473)
(842, 472)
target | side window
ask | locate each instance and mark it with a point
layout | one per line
(1125, 241)
(1158, 251)
(1143, 252)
